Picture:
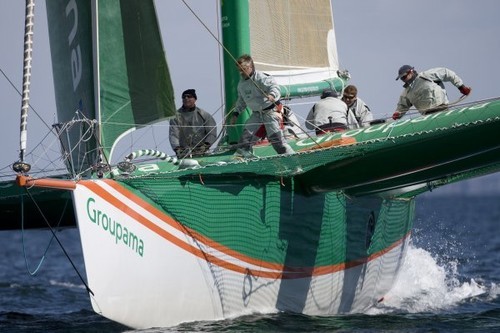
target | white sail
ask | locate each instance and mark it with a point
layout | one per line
(285, 48)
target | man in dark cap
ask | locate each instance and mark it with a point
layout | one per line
(329, 114)
(426, 90)
(193, 130)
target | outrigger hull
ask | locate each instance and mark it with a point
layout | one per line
(431, 150)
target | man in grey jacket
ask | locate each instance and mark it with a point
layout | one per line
(193, 130)
(328, 114)
(426, 90)
(260, 93)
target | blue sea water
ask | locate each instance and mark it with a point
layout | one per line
(449, 282)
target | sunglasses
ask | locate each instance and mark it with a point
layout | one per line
(349, 96)
(405, 77)
(187, 96)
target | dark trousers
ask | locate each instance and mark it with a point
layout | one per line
(331, 127)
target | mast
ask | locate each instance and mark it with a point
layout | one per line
(236, 39)
(28, 52)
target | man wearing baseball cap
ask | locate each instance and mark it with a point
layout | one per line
(425, 91)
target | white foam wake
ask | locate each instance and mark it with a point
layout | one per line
(424, 286)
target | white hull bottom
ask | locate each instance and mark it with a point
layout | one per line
(162, 284)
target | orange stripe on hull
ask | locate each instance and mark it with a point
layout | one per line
(280, 271)
(174, 240)
(332, 143)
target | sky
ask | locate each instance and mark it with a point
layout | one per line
(374, 38)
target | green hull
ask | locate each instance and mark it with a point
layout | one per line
(34, 208)
(220, 248)
(274, 221)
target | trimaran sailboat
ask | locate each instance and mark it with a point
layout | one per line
(167, 241)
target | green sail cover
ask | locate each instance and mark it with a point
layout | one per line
(70, 36)
(134, 80)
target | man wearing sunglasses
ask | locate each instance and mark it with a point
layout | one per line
(193, 130)
(359, 114)
(426, 90)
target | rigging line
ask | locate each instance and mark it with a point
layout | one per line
(221, 60)
(48, 245)
(19, 93)
(209, 31)
(67, 127)
(223, 126)
(306, 131)
(46, 149)
(414, 110)
(308, 135)
(23, 243)
(59, 242)
(221, 45)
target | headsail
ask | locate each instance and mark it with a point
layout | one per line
(70, 34)
(284, 42)
(108, 63)
(134, 80)
(299, 52)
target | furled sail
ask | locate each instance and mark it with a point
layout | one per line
(109, 64)
(70, 35)
(300, 52)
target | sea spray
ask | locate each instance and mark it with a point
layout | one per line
(424, 286)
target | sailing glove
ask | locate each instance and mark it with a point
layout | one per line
(464, 90)
(396, 115)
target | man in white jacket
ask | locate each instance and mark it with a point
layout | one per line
(328, 114)
(426, 90)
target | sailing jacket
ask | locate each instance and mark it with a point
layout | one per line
(427, 91)
(361, 113)
(253, 91)
(323, 109)
(192, 128)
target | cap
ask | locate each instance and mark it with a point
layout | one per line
(191, 92)
(403, 70)
(329, 93)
